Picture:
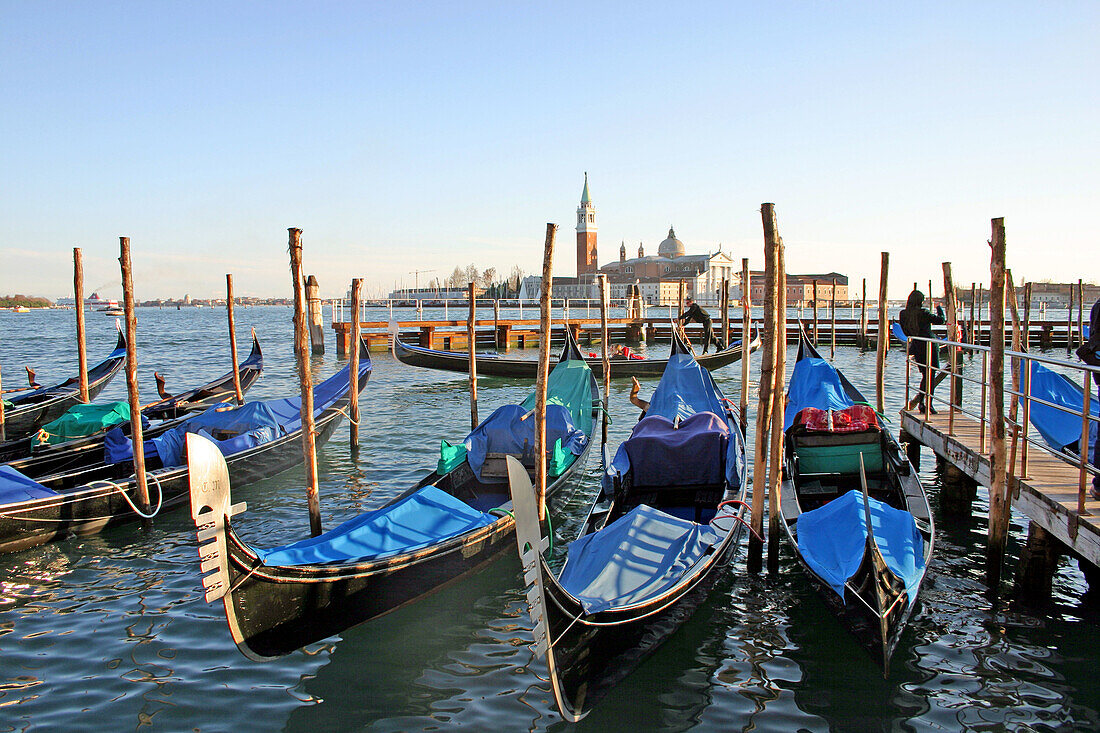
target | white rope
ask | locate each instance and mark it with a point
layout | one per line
(118, 487)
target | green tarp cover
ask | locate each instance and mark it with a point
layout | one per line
(80, 420)
(569, 385)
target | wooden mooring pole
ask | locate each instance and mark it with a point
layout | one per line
(602, 279)
(832, 321)
(883, 337)
(1014, 400)
(471, 351)
(952, 335)
(353, 370)
(815, 312)
(726, 311)
(779, 380)
(544, 368)
(1080, 312)
(973, 305)
(131, 375)
(998, 499)
(1069, 322)
(305, 383)
(316, 327)
(233, 338)
(78, 303)
(746, 327)
(863, 317)
(770, 339)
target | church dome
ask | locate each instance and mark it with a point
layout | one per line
(671, 247)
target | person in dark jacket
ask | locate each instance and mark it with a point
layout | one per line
(916, 320)
(1089, 352)
(698, 315)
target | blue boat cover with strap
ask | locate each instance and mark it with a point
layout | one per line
(814, 383)
(686, 389)
(506, 431)
(15, 487)
(424, 518)
(832, 539)
(690, 455)
(639, 556)
(233, 428)
(1058, 428)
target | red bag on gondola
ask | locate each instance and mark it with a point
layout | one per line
(854, 419)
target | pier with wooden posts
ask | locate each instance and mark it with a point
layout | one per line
(989, 445)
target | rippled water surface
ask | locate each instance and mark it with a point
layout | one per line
(112, 633)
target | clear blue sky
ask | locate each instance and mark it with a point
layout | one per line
(405, 136)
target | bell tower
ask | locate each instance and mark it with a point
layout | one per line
(586, 236)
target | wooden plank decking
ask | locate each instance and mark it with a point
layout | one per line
(1047, 494)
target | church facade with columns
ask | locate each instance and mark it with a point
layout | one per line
(657, 276)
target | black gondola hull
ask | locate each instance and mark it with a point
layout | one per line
(41, 460)
(33, 410)
(595, 653)
(92, 509)
(528, 368)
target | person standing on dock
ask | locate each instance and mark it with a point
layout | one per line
(1089, 352)
(916, 320)
(698, 315)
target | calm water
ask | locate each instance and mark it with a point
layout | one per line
(112, 633)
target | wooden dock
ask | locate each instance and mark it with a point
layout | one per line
(503, 334)
(1047, 494)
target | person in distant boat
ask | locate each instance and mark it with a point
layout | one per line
(916, 320)
(1089, 352)
(698, 315)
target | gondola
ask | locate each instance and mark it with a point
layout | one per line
(853, 508)
(259, 439)
(31, 409)
(492, 365)
(75, 452)
(663, 527)
(451, 523)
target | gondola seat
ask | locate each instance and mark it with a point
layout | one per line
(639, 556)
(426, 517)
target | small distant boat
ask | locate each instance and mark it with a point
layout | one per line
(21, 309)
(492, 365)
(115, 311)
(853, 508)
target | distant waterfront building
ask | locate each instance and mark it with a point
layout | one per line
(800, 288)
(657, 277)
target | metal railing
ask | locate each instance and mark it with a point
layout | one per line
(368, 311)
(1018, 417)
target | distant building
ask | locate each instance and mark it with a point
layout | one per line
(800, 288)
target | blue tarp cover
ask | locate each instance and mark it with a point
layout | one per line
(686, 389)
(899, 334)
(832, 539)
(505, 431)
(253, 422)
(814, 383)
(425, 518)
(1058, 428)
(661, 455)
(15, 487)
(639, 556)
